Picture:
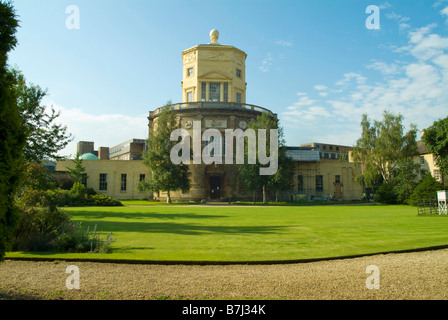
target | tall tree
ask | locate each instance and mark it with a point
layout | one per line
(78, 172)
(435, 139)
(45, 137)
(12, 133)
(250, 173)
(165, 175)
(384, 148)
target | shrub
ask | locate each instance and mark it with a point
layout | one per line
(386, 194)
(38, 227)
(426, 189)
(78, 193)
(102, 200)
(76, 239)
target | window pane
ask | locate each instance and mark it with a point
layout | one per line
(123, 182)
(204, 91)
(319, 183)
(226, 92)
(215, 91)
(103, 181)
(300, 183)
(238, 97)
(238, 73)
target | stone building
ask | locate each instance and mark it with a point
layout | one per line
(214, 95)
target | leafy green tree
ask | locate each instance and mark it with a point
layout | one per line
(12, 133)
(435, 139)
(250, 173)
(45, 137)
(282, 180)
(384, 148)
(78, 172)
(37, 177)
(386, 155)
(426, 189)
(165, 175)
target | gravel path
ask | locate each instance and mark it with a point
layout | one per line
(421, 275)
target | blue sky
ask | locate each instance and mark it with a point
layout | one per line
(314, 63)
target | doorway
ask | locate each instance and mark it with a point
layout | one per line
(215, 187)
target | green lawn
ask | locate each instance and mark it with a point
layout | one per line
(242, 233)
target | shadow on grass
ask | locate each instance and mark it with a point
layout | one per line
(184, 228)
(141, 215)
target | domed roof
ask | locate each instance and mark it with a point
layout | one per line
(88, 156)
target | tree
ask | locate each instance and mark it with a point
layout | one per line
(435, 139)
(282, 180)
(45, 137)
(384, 149)
(250, 173)
(425, 190)
(165, 175)
(12, 131)
(78, 172)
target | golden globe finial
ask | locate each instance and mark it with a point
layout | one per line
(214, 35)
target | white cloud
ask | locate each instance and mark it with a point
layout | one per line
(384, 68)
(320, 87)
(284, 43)
(445, 13)
(385, 5)
(348, 77)
(397, 17)
(106, 130)
(266, 63)
(417, 89)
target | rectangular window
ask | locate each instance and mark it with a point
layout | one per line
(189, 96)
(238, 97)
(142, 177)
(437, 174)
(190, 72)
(103, 182)
(203, 91)
(123, 181)
(226, 92)
(300, 183)
(238, 73)
(422, 160)
(337, 179)
(215, 91)
(319, 183)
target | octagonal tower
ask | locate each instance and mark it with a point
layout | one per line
(213, 93)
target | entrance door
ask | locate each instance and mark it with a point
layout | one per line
(215, 187)
(338, 191)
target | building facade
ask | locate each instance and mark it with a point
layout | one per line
(214, 96)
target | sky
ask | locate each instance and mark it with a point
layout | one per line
(316, 64)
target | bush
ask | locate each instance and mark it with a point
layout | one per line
(38, 227)
(427, 189)
(78, 240)
(386, 194)
(78, 193)
(102, 200)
